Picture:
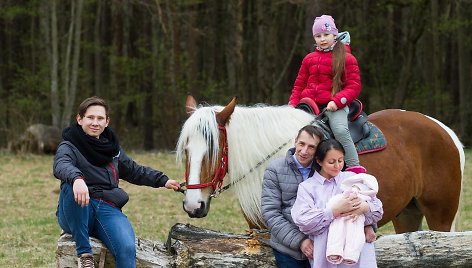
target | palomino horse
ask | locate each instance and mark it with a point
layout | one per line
(419, 172)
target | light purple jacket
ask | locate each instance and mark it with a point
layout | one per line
(313, 218)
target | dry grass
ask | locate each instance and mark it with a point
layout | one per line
(28, 228)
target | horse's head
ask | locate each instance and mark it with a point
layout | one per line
(203, 146)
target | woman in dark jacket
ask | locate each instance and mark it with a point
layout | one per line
(89, 163)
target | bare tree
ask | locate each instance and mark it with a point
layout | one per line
(51, 41)
(464, 74)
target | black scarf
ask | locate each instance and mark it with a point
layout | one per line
(99, 152)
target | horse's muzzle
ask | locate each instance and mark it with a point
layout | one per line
(200, 212)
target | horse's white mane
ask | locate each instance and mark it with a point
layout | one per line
(254, 133)
(201, 122)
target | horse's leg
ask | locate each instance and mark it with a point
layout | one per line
(439, 212)
(409, 220)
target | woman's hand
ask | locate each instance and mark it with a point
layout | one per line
(370, 235)
(81, 193)
(307, 248)
(346, 205)
(360, 210)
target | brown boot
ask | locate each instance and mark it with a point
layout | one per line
(86, 261)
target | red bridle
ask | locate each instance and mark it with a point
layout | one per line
(221, 170)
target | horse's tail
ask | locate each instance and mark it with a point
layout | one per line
(456, 224)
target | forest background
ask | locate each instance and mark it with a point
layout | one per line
(144, 56)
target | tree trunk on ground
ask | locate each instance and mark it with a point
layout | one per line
(190, 246)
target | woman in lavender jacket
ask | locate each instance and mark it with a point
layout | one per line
(313, 217)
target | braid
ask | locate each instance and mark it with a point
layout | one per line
(339, 59)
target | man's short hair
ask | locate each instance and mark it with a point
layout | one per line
(314, 131)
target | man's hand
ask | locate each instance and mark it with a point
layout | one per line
(172, 184)
(81, 193)
(307, 248)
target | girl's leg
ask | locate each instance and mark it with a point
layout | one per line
(113, 228)
(75, 219)
(339, 126)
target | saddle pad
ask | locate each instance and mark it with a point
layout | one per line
(374, 142)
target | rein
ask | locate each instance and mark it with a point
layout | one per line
(222, 169)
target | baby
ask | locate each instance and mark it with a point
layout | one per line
(346, 236)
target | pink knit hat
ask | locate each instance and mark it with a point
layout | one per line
(324, 24)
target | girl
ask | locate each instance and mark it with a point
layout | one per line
(312, 214)
(331, 77)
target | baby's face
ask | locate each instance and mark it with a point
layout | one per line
(355, 188)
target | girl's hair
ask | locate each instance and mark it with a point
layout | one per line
(339, 58)
(324, 147)
(92, 101)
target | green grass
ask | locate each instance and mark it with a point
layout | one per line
(28, 199)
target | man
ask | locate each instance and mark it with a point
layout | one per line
(291, 247)
(89, 163)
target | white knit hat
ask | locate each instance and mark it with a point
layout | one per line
(369, 185)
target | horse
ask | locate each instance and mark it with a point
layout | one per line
(419, 172)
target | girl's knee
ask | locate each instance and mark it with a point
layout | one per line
(340, 131)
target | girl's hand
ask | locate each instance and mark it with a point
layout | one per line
(332, 107)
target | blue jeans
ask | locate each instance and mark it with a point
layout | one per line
(286, 261)
(101, 220)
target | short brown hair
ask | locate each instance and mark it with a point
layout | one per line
(312, 131)
(91, 102)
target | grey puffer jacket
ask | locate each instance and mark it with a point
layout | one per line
(279, 191)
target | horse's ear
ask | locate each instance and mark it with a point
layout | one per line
(190, 104)
(223, 116)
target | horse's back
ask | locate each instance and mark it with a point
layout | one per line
(418, 138)
(418, 130)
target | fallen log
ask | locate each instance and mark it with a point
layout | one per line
(190, 246)
(425, 249)
(197, 247)
(148, 253)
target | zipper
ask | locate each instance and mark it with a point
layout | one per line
(114, 173)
